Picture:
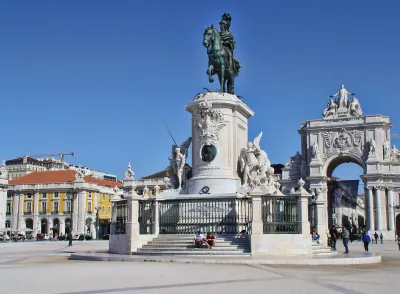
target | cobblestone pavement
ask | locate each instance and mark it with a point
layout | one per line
(44, 268)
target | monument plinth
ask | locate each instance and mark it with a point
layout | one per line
(219, 133)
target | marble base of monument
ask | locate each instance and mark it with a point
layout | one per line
(280, 244)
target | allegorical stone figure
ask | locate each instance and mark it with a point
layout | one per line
(355, 107)
(255, 166)
(386, 149)
(314, 151)
(343, 100)
(331, 109)
(177, 170)
(372, 147)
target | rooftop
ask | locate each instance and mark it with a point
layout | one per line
(58, 176)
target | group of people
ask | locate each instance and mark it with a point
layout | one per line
(367, 240)
(199, 240)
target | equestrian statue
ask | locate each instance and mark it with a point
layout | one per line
(221, 61)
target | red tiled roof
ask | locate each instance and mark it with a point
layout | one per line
(104, 183)
(58, 176)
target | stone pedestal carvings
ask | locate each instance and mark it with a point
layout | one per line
(219, 132)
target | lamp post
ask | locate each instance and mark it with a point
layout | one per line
(71, 198)
(97, 222)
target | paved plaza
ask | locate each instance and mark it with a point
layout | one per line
(44, 267)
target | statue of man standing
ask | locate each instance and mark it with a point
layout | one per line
(343, 98)
(228, 40)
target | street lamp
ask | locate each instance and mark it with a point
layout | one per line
(97, 222)
(71, 198)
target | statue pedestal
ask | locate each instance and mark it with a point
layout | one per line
(219, 132)
(342, 112)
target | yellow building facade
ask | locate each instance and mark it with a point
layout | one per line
(56, 201)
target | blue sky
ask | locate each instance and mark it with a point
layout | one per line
(101, 77)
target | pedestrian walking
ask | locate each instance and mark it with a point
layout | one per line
(366, 239)
(333, 241)
(381, 237)
(376, 236)
(346, 236)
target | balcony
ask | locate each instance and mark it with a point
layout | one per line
(27, 212)
(8, 213)
(42, 212)
(67, 212)
(55, 212)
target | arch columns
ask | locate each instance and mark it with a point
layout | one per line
(369, 207)
(391, 218)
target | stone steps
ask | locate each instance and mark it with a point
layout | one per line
(226, 245)
(321, 249)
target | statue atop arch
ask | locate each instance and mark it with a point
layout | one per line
(342, 106)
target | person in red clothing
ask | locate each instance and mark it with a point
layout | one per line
(210, 239)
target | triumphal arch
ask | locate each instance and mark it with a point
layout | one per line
(345, 134)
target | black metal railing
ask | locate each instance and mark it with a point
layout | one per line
(27, 212)
(89, 212)
(54, 212)
(279, 214)
(67, 212)
(121, 217)
(221, 216)
(146, 216)
(43, 212)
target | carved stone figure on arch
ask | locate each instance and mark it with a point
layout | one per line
(372, 148)
(343, 100)
(355, 107)
(386, 149)
(315, 151)
(331, 109)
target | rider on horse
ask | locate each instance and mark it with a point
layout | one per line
(228, 41)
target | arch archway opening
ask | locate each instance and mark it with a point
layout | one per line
(43, 226)
(67, 225)
(346, 199)
(398, 225)
(56, 226)
(29, 223)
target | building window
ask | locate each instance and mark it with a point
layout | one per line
(90, 195)
(44, 195)
(103, 209)
(55, 194)
(89, 206)
(28, 207)
(44, 207)
(68, 205)
(29, 196)
(55, 204)
(109, 209)
(104, 197)
(8, 208)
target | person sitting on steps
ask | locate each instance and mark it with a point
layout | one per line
(210, 240)
(199, 240)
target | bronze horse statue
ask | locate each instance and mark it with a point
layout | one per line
(220, 62)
